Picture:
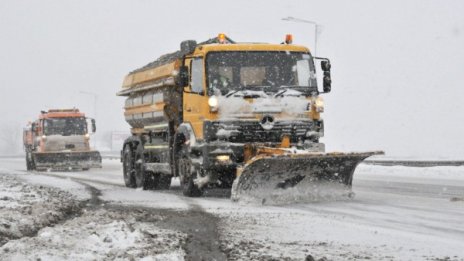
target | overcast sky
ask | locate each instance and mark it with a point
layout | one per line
(398, 66)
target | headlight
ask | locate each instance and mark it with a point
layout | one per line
(319, 104)
(223, 158)
(44, 137)
(213, 103)
(87, 136)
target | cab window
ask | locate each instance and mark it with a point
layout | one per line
(197, 75)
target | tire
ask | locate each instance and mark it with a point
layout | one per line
(29, 161)
(143, 179)
(176, 155)
(188, 174)
(128, 167)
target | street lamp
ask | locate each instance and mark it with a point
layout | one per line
(298, 20)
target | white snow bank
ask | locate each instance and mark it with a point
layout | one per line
(25, 208)
(98, 235)
(65, 184)
(433, 175)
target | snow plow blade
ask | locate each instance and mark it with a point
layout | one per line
(67, 160)
(291, 178)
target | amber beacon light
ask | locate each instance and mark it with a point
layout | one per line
(222, 38)
(288, 39)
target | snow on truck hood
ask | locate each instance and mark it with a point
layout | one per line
(288, 106)
(59, 143)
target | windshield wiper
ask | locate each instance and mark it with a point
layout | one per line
(244, 89)
(247, 93)
(231, 93)
(280, 93)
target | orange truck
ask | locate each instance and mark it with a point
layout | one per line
(59, 140)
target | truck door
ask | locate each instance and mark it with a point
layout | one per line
(195, 101)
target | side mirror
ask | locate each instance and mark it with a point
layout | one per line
(327, 81)
(183, 76)
(325, 66)
(188, 46)
(94, 126)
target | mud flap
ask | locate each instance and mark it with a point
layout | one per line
(67, 160)
(297, 177)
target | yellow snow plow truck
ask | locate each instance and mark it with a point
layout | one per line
(245, 116)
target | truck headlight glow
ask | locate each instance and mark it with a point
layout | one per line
(223, 158)
(213, 103)
(87, 136)
(44, 137)
(319, 104)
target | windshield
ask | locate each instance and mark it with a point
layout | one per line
(268, 71)
(65, 126)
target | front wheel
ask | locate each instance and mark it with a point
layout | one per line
(188, 174)
(29, 161)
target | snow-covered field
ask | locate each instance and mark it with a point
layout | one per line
(399, 213)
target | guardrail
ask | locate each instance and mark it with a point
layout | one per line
(415, 163)
(106, 155)
(407, 163)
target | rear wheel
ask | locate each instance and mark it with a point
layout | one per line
(143, 179)
(128, 167)
(146, 179)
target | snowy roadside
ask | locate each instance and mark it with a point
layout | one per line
(399, 213)
(99, 235)
(25, 209)
(41, 222)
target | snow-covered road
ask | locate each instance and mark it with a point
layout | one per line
(399, 213)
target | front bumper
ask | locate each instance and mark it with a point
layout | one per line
(251, 131)
(222, 155)
(67, 160)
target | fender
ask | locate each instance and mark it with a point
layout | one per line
(132, 142)
(186, 130)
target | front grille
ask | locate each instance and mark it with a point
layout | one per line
(252, 131)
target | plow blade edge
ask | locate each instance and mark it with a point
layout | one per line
(297, 177)
(67, 160)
